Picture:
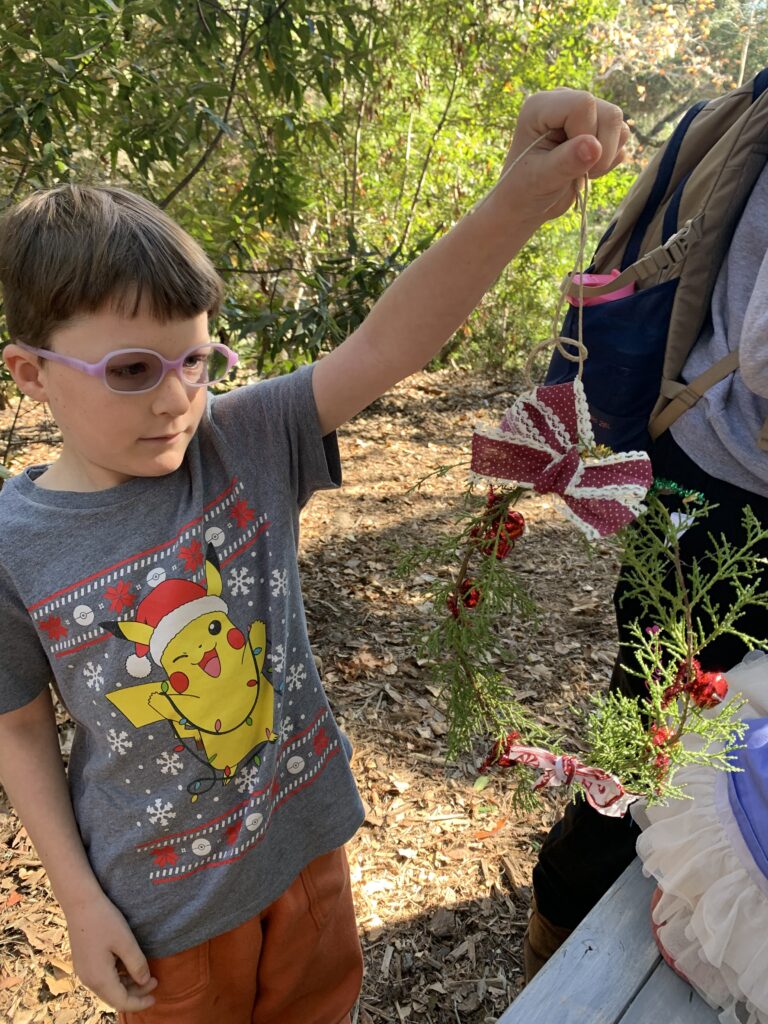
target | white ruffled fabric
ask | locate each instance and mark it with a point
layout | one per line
(712, 917)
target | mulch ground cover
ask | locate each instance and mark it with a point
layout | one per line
(441, 870)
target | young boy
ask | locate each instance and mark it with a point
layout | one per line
(151, 572)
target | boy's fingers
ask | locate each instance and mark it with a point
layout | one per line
(574, 158)
(567, 114)
(126, 996)
(134, 962)
(130, 1003)
(110, 988)
(612, 132)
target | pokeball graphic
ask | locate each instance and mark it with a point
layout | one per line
(215, 535)
(253, 821)
(295, 764)
(201, 847)
(83, 615)
(155, 576)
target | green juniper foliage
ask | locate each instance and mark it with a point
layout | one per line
(464, 647)
(640, 741)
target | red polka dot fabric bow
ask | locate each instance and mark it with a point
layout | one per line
(604, 792)
(545, 442)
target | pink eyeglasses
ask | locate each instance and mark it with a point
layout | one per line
(135, 370)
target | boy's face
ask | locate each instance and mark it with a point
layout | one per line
(109, 438)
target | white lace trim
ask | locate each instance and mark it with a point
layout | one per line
(713, 913)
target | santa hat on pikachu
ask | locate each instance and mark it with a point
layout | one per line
(171, 606)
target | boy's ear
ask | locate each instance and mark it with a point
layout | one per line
(26, 372)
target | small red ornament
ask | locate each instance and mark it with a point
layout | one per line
(512, 528)
(514, 524)
(470, 597)
(709, 689)
(498, 751)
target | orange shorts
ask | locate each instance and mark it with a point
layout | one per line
(297, 962)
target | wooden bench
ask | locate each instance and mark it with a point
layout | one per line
(609, 970)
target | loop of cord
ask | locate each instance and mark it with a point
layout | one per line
(555, 339)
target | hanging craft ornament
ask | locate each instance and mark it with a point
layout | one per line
(545, 442)
(603, 791)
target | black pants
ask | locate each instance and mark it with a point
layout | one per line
(585, 852)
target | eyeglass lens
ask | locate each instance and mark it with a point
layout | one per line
(140, 371)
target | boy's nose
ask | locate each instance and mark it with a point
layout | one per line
(171, 396)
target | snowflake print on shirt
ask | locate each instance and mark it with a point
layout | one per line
(286, 728)
(94, 676)
(119, 742)
(169, 763)
(247, 778)
(239, 581)
(279, 582)
(161, 813)
(297, 674)
(278, 658)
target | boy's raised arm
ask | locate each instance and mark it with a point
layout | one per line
(32, 772)
(432, 298)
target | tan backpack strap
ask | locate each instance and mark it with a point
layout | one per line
(673, 251)
(689, 394)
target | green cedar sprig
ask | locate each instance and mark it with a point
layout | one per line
(464, 647)
(637, 740)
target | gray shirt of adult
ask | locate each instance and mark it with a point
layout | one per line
(720, 433)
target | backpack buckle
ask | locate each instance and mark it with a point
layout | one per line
(675, 249)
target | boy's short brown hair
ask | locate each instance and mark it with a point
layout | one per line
(77, 249)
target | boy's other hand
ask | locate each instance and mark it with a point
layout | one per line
(107, 958)
(585, 137)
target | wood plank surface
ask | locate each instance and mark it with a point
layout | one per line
(667, 998)
(598, 971)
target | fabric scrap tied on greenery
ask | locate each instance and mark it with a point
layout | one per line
(603, 791)
(545, 442)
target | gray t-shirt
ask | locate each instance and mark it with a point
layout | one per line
(206, 769)
(720, 432)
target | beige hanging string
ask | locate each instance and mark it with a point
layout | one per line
(556, 340)
(511, 167)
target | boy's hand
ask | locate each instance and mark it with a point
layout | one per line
(107, 958)
(586, 137)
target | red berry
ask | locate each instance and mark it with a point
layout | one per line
(670, 693)
(684, 679)
(470, 597)
(660, 734)
(503, 548)
(470, 594)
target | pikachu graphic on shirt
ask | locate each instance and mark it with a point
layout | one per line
(213, 692)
